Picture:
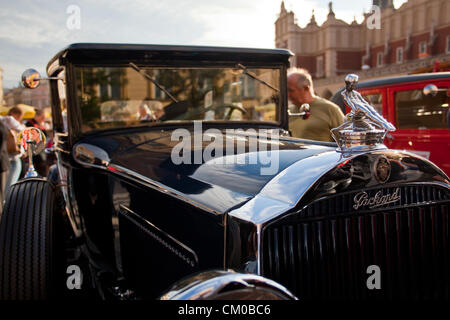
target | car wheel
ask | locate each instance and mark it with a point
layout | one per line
(30, 252)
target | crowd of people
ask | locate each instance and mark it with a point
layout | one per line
(12, 154)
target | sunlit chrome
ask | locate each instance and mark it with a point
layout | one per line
(31, 78)
(363, 200)
(274, 198)
(351, 80)
(364, 129)
(88, 154)
(33, 142)
(302, 112)
(213, 285)
(432, 90)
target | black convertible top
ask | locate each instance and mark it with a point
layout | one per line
(114, 52)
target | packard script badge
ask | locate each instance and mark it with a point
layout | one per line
(382, 169)
(362, 199)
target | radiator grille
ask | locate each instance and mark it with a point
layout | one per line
(324, 250)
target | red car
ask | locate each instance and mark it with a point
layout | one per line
(421, 119)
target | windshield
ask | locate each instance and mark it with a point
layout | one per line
(125, 96)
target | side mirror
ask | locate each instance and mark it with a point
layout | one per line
(30, 78)
(33, 141)
(302, 112)
(432, 90)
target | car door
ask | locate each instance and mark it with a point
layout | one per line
(421, 121)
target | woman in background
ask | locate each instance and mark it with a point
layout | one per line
(4, 163)
(13, 122)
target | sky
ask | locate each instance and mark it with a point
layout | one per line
(33, 31)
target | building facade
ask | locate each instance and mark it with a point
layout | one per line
(2, 101)
(413, 38)
(38, 97)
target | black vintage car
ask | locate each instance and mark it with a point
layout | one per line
(176, 178)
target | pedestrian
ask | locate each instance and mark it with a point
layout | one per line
(38, 120)
(324, 114)
(13, 123)
(145, 114)
(4, 163)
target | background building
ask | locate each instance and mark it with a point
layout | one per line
(38, 97)
(2, 102)
(413, 38)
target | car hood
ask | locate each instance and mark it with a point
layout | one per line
(231, 178)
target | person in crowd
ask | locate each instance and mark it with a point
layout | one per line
(158, 109)
(4, 163)
(145, 114)
(152, 112)
(39, 160)
(324, 114)
(13, 123)
(38, 120)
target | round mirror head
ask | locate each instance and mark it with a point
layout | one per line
(32, 138)
(305, 110)
(351, 80)
(304, 107)
(430, 90)
(30, 78)
(351, 77)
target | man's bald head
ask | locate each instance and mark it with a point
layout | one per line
(301, 77)
(300, 87)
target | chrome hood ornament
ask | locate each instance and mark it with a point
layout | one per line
(364, 129)
(33, 142)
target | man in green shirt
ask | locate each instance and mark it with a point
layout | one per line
(325, 115)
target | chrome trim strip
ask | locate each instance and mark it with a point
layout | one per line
(283, 138)
(145, 225)
(122, 171)
(309, 142)
(58, 141)
(258, 246)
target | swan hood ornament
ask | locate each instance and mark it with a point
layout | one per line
(364, 129)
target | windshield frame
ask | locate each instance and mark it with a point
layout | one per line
(74, 107)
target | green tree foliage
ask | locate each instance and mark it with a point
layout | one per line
(190, 85)
(93, 86)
